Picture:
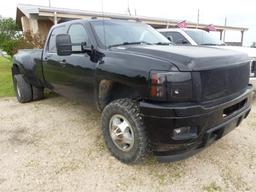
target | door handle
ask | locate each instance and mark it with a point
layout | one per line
(47, 57)
(63, 62)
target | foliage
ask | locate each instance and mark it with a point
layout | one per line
(212, 187)
(8, 29)
(6, 88)
(11, 39)
(29, 41)
(9, 35)
(253, 45)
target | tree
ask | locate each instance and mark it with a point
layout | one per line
(253, 44)
(9, 35)
(12, 39)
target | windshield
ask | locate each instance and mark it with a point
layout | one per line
(111, 33)
(203, 38)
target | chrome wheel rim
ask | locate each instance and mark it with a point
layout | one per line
(121, 132)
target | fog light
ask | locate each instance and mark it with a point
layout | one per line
(176, 92)
(182, 130)
(183, 133)
(177, 131)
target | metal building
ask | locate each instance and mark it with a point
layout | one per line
(39, 19)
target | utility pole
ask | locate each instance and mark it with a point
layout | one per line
(128, 7)
(198, 17)
(49, 1)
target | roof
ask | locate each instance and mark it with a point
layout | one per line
(44, 11)
(178, 29)
(170, 29)
(106, 21)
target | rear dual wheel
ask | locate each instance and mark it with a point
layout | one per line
(24, 91)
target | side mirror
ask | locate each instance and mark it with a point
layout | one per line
(63, 44)
(182, 42)
(170, 38)
(85, 47)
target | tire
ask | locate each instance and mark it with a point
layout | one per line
(22, 88)
(135, 151)
(38, 93)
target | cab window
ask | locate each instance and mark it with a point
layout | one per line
(177, 38)
(78, 35)
(52, 41)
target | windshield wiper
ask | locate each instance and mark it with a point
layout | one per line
(130, 43)
(209, 44)
(163, 43)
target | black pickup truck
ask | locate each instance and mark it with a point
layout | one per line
(154, 96)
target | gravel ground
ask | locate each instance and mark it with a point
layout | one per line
(56, 145)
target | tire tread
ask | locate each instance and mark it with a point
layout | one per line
(131, 107)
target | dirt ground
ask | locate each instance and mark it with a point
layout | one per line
(56, 145)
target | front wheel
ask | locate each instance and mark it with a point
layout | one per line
(124, 131)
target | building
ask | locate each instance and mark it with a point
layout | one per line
(39, 19)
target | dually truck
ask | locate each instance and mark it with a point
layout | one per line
(155, 97)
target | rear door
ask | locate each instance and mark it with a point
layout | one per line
(72, 76)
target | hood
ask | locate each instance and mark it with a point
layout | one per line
(189, 58)
(248, 50)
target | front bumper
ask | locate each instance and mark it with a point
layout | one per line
(211, 121)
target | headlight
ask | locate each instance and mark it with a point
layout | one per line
(171, 86)
(253, 66)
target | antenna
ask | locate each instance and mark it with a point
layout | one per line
(103, 22)
(198, 17)
(128, 7)
(135, 10)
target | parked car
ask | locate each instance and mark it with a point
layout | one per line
(198, 37)
(172, 100)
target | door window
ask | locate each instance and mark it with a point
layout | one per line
(177, 38)
(78, 35)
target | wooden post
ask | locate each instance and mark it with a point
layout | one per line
(242, 37)
(55, 18)
(221, 34)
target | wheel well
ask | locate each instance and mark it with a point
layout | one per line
(111, 90)
(15, 69)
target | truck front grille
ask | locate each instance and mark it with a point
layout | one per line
(224, 82)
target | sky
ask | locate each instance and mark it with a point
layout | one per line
(238, 13)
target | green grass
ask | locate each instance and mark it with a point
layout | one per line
(6, 88)
(212, 187)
